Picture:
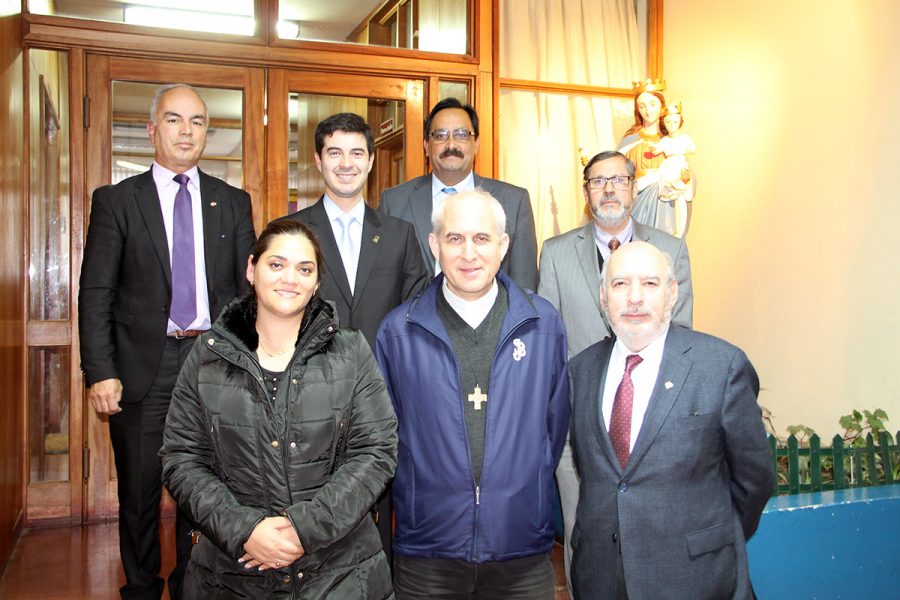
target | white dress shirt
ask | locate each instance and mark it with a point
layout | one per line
(166, 189)
(643, 377)
(358, 212)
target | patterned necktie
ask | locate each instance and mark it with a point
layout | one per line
(614, 243)
(347, 248)
(620, 420)
(184, 279)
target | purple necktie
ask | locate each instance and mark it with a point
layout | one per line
(620, 420)
(184, 281)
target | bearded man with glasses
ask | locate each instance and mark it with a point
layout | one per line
(451, 143)
(570, 278)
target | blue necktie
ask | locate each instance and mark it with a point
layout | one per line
(449, 190)
(348, 251)
(184, 280)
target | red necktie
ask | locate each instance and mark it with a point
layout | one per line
(614, 243)
(620, 420)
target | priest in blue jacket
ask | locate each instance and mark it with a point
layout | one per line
(476, 369)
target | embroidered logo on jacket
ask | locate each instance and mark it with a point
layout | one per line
(519, 351)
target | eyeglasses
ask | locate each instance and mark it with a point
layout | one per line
(620, 182)
(460, 135)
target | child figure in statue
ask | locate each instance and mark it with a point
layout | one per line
(676, 182)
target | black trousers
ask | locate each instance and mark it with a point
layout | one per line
(529, 578)
(136, 434)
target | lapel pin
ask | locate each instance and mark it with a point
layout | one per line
(669, 385)
(376, 238)
(213, 203)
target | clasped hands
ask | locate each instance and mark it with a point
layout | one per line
(273, 544)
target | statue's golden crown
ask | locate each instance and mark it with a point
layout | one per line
(648, 85)
(672, 108)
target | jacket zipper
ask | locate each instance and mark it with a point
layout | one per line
(475, 484)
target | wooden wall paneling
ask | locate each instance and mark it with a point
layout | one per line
(79, 406)
(276, 144)
(655, 38)
(100, 491)
(12, 282)
(254, 144)
(416, 109)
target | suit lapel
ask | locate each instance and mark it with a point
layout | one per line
(639, 232)
(595, 385)
(318, 220)
(147, 200)
(674, 369)
(420, 205)
(212, 214)
(370, 245)
(586, 249)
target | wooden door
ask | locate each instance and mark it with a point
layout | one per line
(118, 93)
(297, 100)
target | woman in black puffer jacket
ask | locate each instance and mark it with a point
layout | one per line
(280, 437)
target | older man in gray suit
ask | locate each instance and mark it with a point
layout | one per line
(570, 278)
(670, 445)
(451, 142)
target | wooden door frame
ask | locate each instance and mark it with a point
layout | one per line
(100, 493)
(390, 87)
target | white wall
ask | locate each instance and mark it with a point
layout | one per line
(795, 109)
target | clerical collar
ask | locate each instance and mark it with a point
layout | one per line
(472, 312)
(466, 185)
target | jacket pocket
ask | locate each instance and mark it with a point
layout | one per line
(709, 539)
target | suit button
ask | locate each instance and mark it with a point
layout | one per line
(274, 443)
(615, 538)
(300, 575)
(623, 487)
(286, 579)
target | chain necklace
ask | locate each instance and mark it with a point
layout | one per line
(273, 354)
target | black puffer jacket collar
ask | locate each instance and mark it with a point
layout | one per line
(238, 324)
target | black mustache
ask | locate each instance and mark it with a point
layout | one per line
(452, 152)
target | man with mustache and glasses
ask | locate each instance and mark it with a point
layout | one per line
(451, 142)
(670, 446)
(570, 277)
(372, 261)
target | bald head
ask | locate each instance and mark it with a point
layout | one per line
(638, 291)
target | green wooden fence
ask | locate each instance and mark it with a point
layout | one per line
(817, 469)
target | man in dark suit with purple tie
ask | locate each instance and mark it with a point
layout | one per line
(166, 250)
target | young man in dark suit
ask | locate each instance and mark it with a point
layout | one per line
(165, 252)
(372, 261)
